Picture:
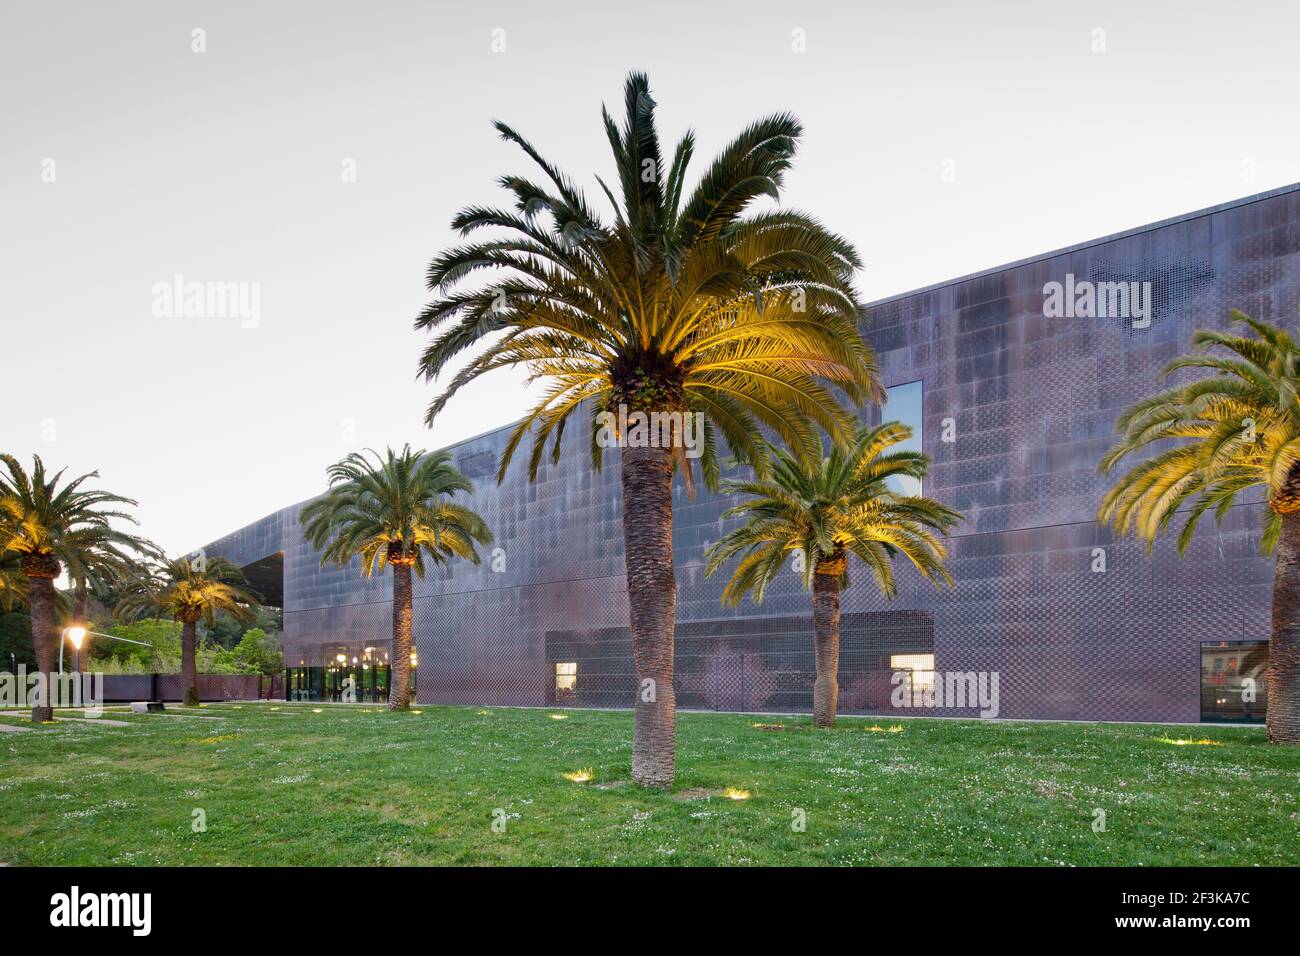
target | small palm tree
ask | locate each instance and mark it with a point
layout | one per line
(689, 301)
(190, 590)
(824, 510)
(1235, 429)
(394, 512)
(49, 526)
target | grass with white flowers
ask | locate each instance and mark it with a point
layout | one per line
(304, 784)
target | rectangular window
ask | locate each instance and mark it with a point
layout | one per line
(566, 680)
(1232, 681)
(904, 403)
(921, 666)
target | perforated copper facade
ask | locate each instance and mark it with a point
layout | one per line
(1029, 403)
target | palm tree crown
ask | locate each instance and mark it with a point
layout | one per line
(190, 591)
(683, 303)
(1231, 431)
(831, 507)
(51, 527)
(393, 510)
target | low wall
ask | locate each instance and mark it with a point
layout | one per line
(128, 687)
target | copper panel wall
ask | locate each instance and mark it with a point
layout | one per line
(1031, 402)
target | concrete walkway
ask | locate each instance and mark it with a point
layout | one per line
(75, 720)
(14, 729)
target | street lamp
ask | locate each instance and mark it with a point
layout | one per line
(76, 634)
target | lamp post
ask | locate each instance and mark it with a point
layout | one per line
(76, 634)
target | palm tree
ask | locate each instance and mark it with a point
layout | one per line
(49, 526)
(394, 511)
(1237, 428)
(688, 302)
(825, 509)
(190, 591)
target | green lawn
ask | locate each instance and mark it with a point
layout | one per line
(288, 785)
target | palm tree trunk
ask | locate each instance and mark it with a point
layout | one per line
(189, 662)
(1283, 719)
(826, 644)
(652, 601)
(399, 695)
(45, 638)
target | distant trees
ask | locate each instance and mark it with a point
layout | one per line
(189, 592)
(51, 525)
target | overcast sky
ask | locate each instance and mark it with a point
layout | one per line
(942, 138)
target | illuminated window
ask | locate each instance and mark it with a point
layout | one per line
(921, 666)
(566, 679)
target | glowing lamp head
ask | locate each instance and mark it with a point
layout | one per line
(76, 635)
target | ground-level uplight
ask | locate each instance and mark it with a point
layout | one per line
(877, 729)
(579, 776)
(1190, 743)
(736, 793)
(559, 716)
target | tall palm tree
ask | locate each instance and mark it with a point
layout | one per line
(826, 509)
(689, 301)
(1235, 429)
(395, 511)
(49, 526)
(190, 591)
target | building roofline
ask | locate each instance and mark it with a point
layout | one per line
(1089, 243)
(992, 270)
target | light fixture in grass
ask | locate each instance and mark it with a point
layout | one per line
(736, 793)
(579, 776)
(1183, 742)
